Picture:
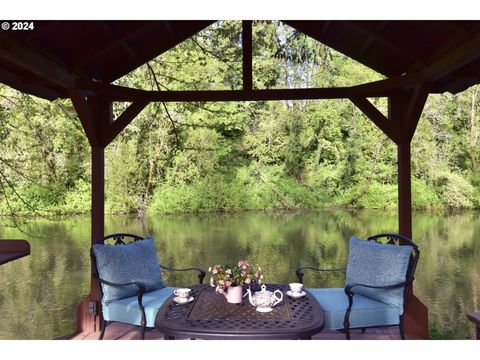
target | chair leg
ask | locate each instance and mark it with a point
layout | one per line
(142, 332)
(347, 333)
(103, 326)
(402, 331)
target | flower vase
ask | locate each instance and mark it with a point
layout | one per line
(234, 294)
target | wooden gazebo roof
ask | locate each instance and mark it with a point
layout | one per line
(66, 51)
(80, 59)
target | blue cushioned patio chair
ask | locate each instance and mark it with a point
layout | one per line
(379, 274)
(131, 282)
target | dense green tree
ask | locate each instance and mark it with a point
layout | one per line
(239, 155)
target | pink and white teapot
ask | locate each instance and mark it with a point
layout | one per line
(264, 300)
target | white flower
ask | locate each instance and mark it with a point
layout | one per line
(214, 271)
(247, 280)
(229, 271)
(210, 269)
(212, 282)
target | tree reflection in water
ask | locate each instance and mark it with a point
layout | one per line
(40, 292)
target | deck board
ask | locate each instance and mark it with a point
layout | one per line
(117, 331)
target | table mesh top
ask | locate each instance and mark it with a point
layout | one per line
(213, 306)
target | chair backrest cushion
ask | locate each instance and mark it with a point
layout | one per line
(375, 264)
(124, 263)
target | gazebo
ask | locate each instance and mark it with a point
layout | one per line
(80, 60)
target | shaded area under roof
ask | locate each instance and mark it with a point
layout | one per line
(107, 50)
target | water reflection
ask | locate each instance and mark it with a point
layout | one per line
(40, 293)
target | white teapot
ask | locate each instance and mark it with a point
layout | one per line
(264, 300)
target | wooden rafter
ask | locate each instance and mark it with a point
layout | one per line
(371, 39)
(247, 54)
(374, 37)
(34, 62)
(460, 36)
(454, 58)
(114, 43)
(120, 41)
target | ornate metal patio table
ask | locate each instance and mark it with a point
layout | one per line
(210, 316)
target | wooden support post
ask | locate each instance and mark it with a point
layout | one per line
(247, 54)
(96, 117)
(98, 193)
(88, 316)
(404, 190)
(416, 313)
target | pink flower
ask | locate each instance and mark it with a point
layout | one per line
(228, 283)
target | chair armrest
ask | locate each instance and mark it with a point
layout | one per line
(201, 272)
(349, 287)
(300, 271)
(350, 293)
(140, 286)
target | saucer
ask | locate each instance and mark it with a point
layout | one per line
(296, 295)
(180, 301)
(264, 310)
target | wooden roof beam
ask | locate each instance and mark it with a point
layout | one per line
(379, 88)
(14, 52)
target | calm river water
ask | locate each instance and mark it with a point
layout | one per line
(39, 293)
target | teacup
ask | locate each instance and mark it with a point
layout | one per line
(296, 287)
(182, 294)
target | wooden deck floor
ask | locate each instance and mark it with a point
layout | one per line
(117, 331)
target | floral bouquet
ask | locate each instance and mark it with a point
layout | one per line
(224, 276)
